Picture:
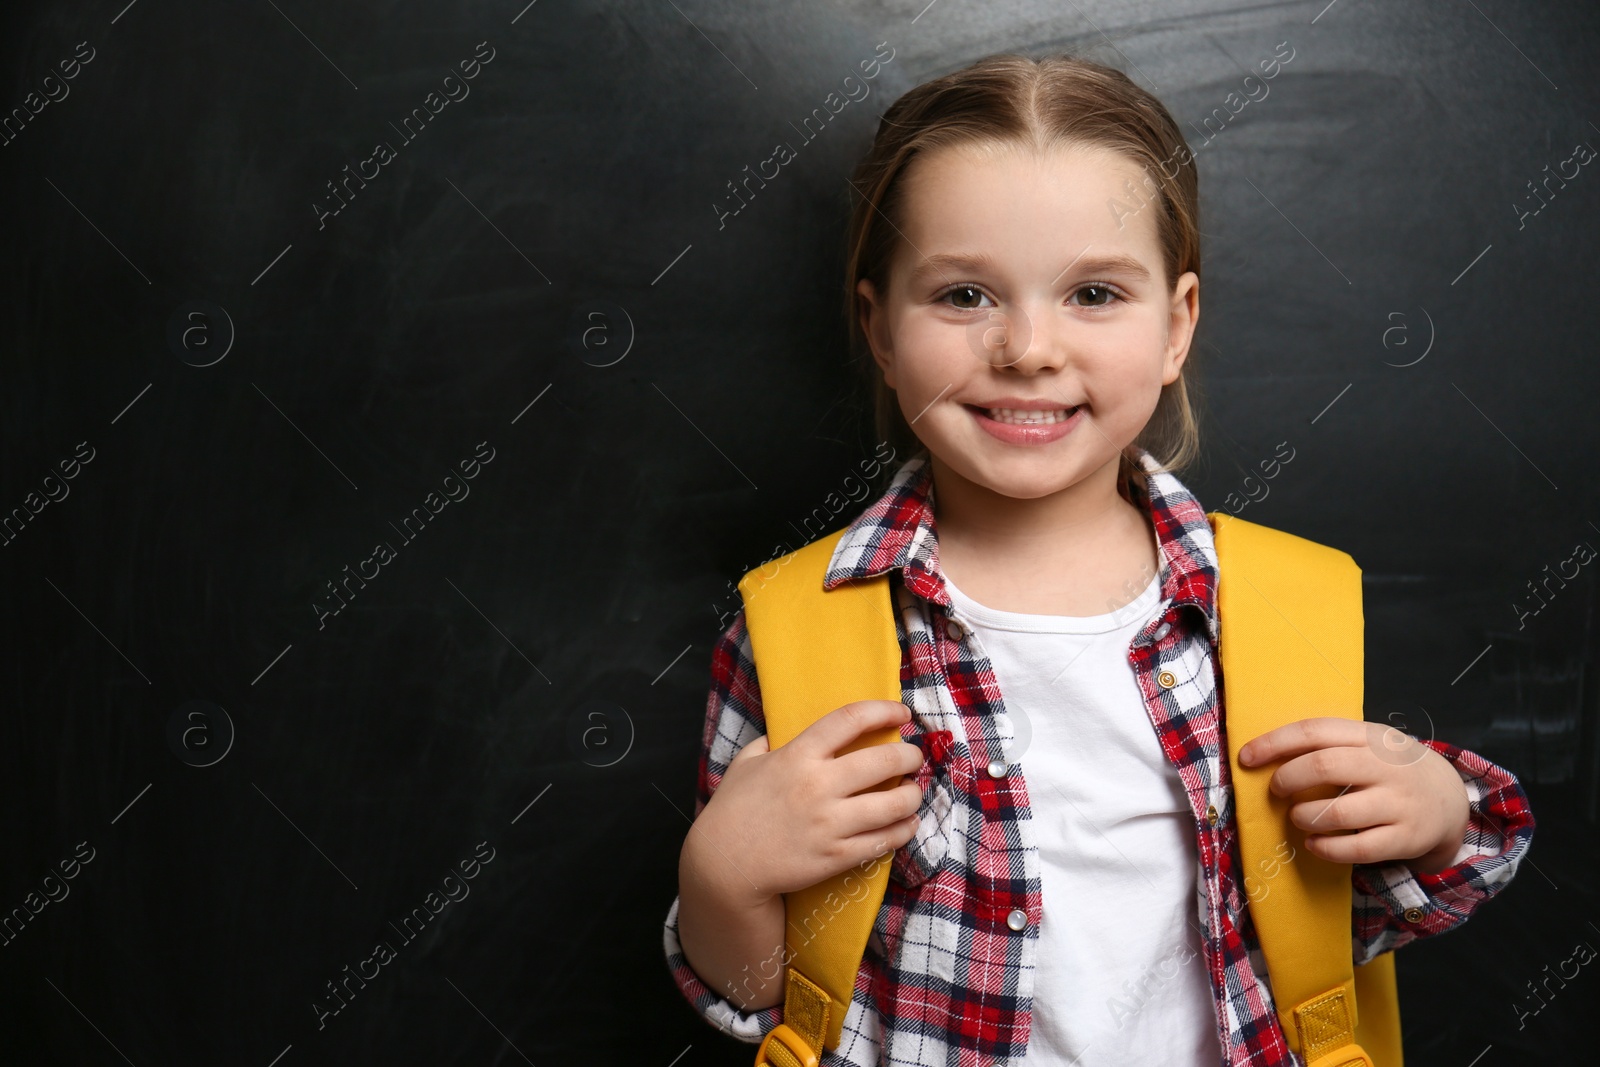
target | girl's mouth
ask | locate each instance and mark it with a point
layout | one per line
(1018, 427)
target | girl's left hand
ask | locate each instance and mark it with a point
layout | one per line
(1403, 800)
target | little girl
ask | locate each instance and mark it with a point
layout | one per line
(1024, 262)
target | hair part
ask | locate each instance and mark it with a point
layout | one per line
(1014, 101)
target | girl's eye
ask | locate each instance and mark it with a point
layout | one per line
(963, 292)
(1104, 295)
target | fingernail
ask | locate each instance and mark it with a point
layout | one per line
(1246, 755)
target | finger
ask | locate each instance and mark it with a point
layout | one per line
(879, 844)
(1326, 766)
(1379, 844)
(1353, 810)
(1303, 735)
(865, 768)
(843, 725)
(880, 810)
(871, 765)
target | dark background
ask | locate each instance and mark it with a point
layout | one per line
(531, 672)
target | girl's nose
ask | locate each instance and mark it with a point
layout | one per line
(1017, 338)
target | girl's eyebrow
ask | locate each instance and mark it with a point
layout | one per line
(941, 263)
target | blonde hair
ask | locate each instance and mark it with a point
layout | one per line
(1009, 99)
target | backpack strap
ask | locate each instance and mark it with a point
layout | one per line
(1291, 648)
(815, 651)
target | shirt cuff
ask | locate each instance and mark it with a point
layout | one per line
(1395, 905)
(750, 1027)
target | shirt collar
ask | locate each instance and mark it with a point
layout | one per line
(897, 531)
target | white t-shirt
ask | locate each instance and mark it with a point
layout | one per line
(1120, 976)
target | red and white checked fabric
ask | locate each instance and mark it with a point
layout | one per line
(945, 982)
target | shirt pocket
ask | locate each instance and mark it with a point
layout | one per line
(920, 858)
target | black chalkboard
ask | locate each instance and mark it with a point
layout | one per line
(392, 391)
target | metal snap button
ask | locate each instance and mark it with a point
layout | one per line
(997, 768)
(1017, 919)
(1211, 814)
(954, 629)
(1167, 679)
(1413, 915)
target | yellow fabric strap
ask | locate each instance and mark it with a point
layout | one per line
(1290, 647)
(817, 651)
(799, 1039)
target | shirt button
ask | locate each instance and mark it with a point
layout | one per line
(997, 769)
(1167, 679)
(1163, 630)
(1413, 915)
(1017, 919)
(1211, 814)
(954, 629)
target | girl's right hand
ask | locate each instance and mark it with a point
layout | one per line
(790, 818)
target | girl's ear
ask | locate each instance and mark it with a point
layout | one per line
(1184, 314)
(875, 327)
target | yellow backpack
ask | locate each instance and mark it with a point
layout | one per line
(1290, 646)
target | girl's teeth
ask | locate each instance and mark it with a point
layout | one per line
(1025, 418)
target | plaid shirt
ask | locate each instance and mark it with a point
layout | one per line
(945, 981)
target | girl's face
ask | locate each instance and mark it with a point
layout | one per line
(1027, 329)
